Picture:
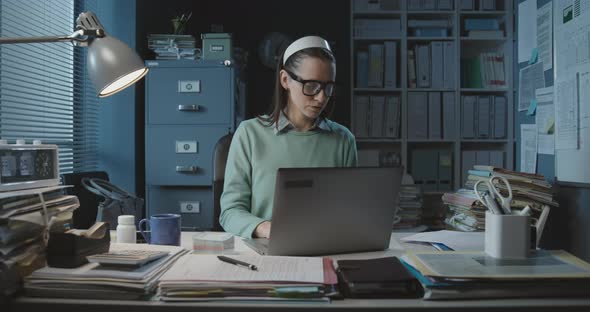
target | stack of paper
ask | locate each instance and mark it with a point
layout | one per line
(95, 281)
(410, 207)
(473, 275)
(172, 47)
(206, 278)
(24, 226)
(466, 213)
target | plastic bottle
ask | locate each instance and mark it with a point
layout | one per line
(126, 229)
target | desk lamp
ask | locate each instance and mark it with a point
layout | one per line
(112, 65)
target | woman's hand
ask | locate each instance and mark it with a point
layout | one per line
(262, 230)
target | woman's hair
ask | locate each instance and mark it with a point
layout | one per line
(281, 96)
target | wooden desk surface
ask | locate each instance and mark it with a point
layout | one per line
(21, 304)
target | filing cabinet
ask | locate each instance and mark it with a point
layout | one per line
(189, 106)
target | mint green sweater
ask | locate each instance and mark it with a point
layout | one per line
(255, 154)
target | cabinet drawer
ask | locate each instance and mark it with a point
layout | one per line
(181, 155)
(189, 96)
(195, 205)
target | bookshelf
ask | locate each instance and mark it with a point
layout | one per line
(453, 147)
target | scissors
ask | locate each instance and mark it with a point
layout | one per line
(493, 193)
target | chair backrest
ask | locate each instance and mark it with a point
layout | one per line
(219, 161)
(85, 216)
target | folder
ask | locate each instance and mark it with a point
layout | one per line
(437, 64)
(362, 69)
(450, 65)
(482, 158)
(375, 66)
(468, 160)
(377, 116)
(391, 115)
(499, 117)
(423, 66)
(361, 112)
(434, 116)
(468, 114)
(417, 115)
(445, 171)
(483, 117)
(390, 75)
(497, 159)
(448, 108)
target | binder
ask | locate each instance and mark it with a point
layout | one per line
(397, 117)
(483, 117)
(362, 69)
(487, 5)
(497, 159)
(448, 109)
(450, 65)
(437, 64)
(424, 164)
(445, 171)
(361, 113)
(445, 4)
(499, 117)
(482, 158)
(428, 4)
(391, 115)
(468, 160)
(414, 4)
(412, 82)
(467, 5)
(375, 66)
(417, 116)
(377, 115)
(390, 79)
(468, 113)
(423, 66)
(434, 116)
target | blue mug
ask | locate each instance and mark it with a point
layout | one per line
(164, 229)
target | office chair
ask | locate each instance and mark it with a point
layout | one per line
(85, 216)
(219, 161)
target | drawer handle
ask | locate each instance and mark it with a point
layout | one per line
(189, 108)
(187, 169)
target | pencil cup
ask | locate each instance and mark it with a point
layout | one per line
(507, 235)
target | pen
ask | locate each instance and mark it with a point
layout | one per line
(237, 262)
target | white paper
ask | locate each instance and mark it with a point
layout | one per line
(527, 29)
(544, 118)
(193, 267)
(530, 79)
(545, 35)
(566, 114)
(528, 148)
(458, 241)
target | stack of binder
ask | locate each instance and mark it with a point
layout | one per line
(483, 117)
(172, 47)
(24, 223)
(432, 65)
(487, 70)
(206, 278)
(377, 116)
(410, 207)
(95, 281)
(376, 66)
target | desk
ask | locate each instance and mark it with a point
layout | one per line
(396, 249)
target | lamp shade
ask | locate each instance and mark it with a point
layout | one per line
(112, 65)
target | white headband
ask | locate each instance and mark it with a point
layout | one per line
(304, 43)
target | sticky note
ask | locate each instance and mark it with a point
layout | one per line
(532, 108)
(534, 56)
(550, 127)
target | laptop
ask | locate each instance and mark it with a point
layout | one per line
(322, 211)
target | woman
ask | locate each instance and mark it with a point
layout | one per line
(296, 134)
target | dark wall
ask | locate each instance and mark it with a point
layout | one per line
(249, 21)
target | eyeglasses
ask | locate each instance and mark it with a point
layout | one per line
(313, 87)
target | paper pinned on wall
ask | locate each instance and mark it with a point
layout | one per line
(545, 120)
(545, 35)
(527, 29)
(566, 113)
(528, 148)
(530, 79)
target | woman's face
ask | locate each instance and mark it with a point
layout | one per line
(310, 68)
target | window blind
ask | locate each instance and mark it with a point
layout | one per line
(44, 90)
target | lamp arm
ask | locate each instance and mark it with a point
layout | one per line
(80, 35)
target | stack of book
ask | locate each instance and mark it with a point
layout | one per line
(173, 47)
(432, 65)
(24, 223)
(467, 213)
(486, 70)
(95, 281)
(410, 207)
(474, 275)
(206, 278)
